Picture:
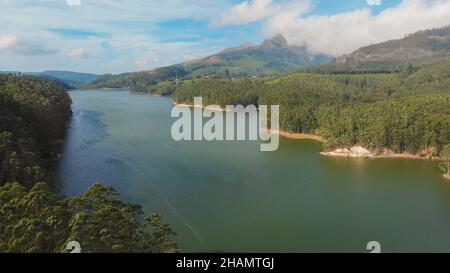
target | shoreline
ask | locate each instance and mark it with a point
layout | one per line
(201, 107)
(279, 132)
(144, 94)
(353, 152)
(446, 176)
(360, 152)
(300, 136)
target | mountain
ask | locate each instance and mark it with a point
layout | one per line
(71, 78)
(68, 79)
(423, 47)
(272, 56)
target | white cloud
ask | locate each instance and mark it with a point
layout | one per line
(7, 41)
(345, 32)
(246, 12)
(73, 2)
(10, 43)
(129, 29)
(256, 10)
(33, 23)
(189, 57)
(143, 63)
(374, 2)
(78, 53)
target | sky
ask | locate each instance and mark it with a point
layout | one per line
(115, 36)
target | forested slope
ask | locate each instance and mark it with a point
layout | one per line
(272, 56)
(33, 117)
(33, 218)
(407, 111)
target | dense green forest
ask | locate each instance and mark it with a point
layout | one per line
(408, 111)
(33, 218)
(33, 117)
(37, 220)
(160, 81)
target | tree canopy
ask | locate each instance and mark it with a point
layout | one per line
(405, 112)
(37, 220)
(33, 117)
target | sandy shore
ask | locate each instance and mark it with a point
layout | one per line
(298, 136)
(200, 107)
(360, 152)
(145, 94)
(446, 176)
(353, 152)
(280, 133)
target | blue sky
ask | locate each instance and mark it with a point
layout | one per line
(113, 36)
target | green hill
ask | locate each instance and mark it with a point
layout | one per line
(399, 111)
(33, 116)
(68, 79)
(273, 56)
(34, 113)
(71, 78)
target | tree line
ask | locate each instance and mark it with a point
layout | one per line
(33, 117)
(36, 220)
(407, 112)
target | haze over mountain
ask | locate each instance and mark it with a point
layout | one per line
(423, 47)
(68, 79)
(272, 56)
(71, 78)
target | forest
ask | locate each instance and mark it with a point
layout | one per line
(36, 220)
(33, 118)
(33, 218)
(406, 112)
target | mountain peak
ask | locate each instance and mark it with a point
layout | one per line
(278, 41)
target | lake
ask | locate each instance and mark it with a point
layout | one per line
(230, 197)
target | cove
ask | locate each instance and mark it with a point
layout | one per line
(231, 127)
(229, 196)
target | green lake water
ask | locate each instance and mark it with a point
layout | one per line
(229, 196)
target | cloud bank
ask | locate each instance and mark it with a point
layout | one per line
(374, 2)
(127, 35)
(344, 32)
(100, 36)
(10, 43)
(78, 53)
(247, 12)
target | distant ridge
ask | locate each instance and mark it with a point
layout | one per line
(272, 56)
(68, 78)
(422, 47)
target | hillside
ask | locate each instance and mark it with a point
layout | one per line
(33, 117)
(405, 113)
(423, 47)
(68, 79)
(34, 113)
(273, 56)
(71, 78)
